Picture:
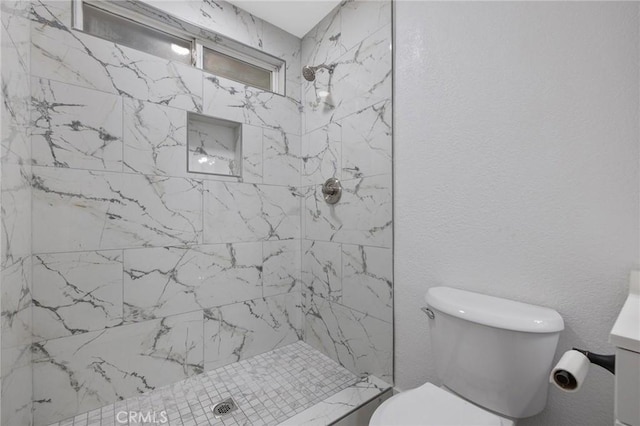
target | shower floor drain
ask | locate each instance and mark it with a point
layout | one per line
(224, 408)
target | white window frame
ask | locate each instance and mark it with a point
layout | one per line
(232, 48)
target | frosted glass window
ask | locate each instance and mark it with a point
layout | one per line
(135, 35)
(235, 69)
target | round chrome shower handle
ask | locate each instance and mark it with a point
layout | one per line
(332, 190)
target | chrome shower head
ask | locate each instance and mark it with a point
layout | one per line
(309, 72)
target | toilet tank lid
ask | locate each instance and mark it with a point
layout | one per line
(494, 311)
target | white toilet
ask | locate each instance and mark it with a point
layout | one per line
(493, 357)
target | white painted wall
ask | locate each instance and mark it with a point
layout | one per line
(516, 149)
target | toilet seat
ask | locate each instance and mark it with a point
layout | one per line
(430, 405)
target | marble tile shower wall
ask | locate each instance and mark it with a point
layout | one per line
(144, 274)
(15, 200)
(347, 248)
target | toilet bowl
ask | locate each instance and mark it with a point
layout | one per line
(429, 405)
(493, 357)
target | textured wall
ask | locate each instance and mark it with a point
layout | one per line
(15, 264)
(143, 273)
(346, 248)
(517, 171)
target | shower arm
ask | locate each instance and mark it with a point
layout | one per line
(330, 68)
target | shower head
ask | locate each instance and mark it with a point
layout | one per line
(309, 72)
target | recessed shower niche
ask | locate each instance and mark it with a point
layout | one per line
(214, 145)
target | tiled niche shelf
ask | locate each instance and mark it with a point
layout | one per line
(214, 146)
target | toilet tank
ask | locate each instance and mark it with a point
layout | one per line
(497, 353)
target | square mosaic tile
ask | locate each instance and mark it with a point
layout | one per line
(268, 389)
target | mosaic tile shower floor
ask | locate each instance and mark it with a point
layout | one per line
(268, 388)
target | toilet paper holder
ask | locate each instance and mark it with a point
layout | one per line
(570, 372)
(608, 362)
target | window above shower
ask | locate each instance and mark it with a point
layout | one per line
(150, 30)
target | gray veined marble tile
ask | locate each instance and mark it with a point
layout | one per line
(80, 373)
(280, 267)
(16, 385)
(75, 127)
(15, 195)
(14, 75)
(363, 215)
(362, 78)
(155, 139)
(322, 269)
(235, 212)
(16, 301)
(340, 403)
(76, 292)
(165, 281)
(367, 283)
(85, 210)
(360, 19)
(57, 12)
(242, 330)
(73, 57)
(281, 158)
(323, 43)
(322, 154)
(359, 342)
(252, 165)
(366, 148)
(234, 101)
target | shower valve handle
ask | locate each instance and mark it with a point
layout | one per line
(332, 190)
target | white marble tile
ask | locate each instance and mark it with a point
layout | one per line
(367, 138)
(280, 267)
(322, 269)
(16, 386)
(155, 139)
(340, 404)
(76, 292)
(322, 154)
(362, 216)
(281, 158)
(234, 101)
(242, 330)
(164, 281)
(359, 342)
(252, 154)
(15, 195)
(323, 43)
(75, 127)
(14, 75)
(76, 58)
(15, 300)
(360, 19)
(83, 372)
(85, 210)
(362, 77)
(367, 280)
(235, 212)
(52, 12)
